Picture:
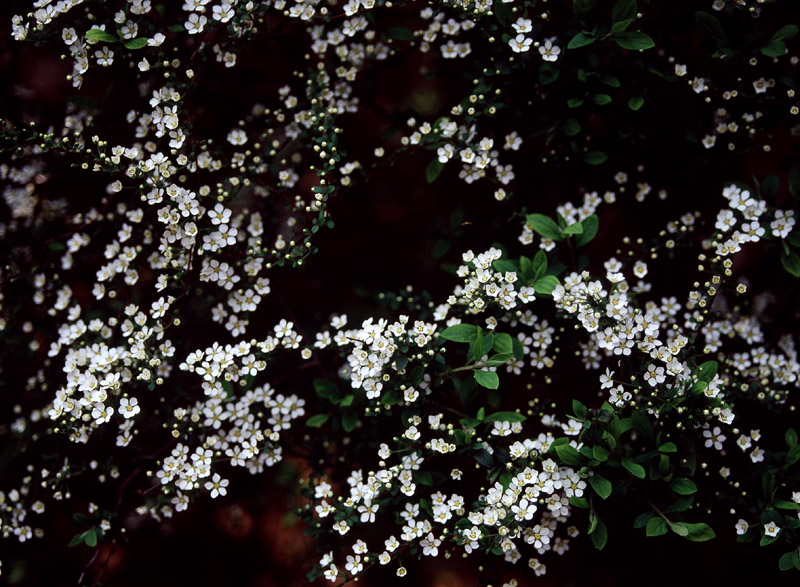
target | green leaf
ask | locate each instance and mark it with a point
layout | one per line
(623, 10)
(539, 264)
(635, 103)
(503, 343)
(349, 420)
(681, 505)
(91, 537)
(326, 390)
(620, 26)
(599, 535)
(679, 529)
(633, 468)
(519, 350)
(709, 25)
(487, 379)
(574, 102)
(642, 519)
(786, 505)
(400, 33)
(774, 49)
(706, 371)
(590, 226)
(602, 99)
(785, 33)
(505, 417)
(694, 532)
(433, 170)
(98, 35)
(595, 157)
(601, 485)
(582, 39)
(78, 538)
(668, 447)
(582, 6)
(791, 438)
(176, 28)
(599, 453)
(545, 285)
(656, 527)
(571, 127)
(544, 225)
(569, 456)
(610, 80)
(789, 560)
(792, 456)
(460, 333)
(791, 263)
(318, 420)
(634, 41)
(576, 228)
(348, 400)
(579, 409)
(683, 486)
(134, 44)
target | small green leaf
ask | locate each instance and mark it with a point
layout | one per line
(582, 6)
(569, 456)
(785, 33)
(98, 35)
(709, 25)
(774, 49)
(78, 538)
(487, 379)
(91, 537)
(635, 103)
(582, 39)
(590, 227)
(789, 560)
(505, 417)
(791, 437)
(786, 505)
(600, 453)
(460, 333)
(571, 127)
(574, 102)
(683, 486)
(579, 409)
(576, 228)
(433, 170)
(599, 535)
(400, 33)
(634, 41)
(706, 371)
(633, 468)
(349, 420)
(503, 343)
(318, 420)
(134, 44)
(642, 519)
(545, 285)
(668, 447)
(326, 390)
(601, 485)
(791, 263)
(620, 26)
(623, 10)
(595, 157)
(544, 225)
(602, 99)
(694, 532)
(539, 264)
(656, 527)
